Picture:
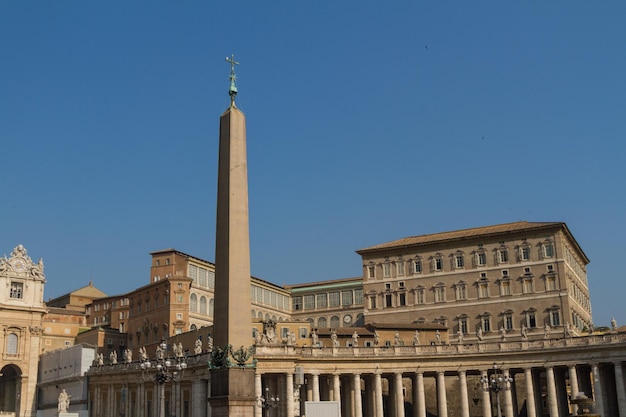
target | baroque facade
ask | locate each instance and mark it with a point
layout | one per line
(22, 309)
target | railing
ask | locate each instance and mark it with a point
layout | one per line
(445, 349)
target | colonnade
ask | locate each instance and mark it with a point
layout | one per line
(533, 391)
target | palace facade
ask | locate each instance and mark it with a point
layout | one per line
(413, 337)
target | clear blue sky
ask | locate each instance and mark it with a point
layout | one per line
(367, 122)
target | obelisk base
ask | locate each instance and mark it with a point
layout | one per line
(232, 392)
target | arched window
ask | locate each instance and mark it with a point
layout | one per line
(322, 323)
(203, 305)
(260, 315)
(334, 322)
(192, 327)
(211, 307)
(12, 344)
(193, 303)
(253, 314)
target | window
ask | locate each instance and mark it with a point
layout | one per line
(548, 250)
(284, 332)
(402, 299)
(485, 322)
(555, 317)
(371, 272)
(508, 320)
(461, 291)
(167, 261)
(322, 322)
(193, 303)
(527, 286)
(531, 321)
(297, 303)
(346, 298)
(309, 302)
(387, 285)
(179, 316)
(524, 253)
(503, 256)
(483, 289)
(12, 344)
(333, 299)
(388, 300)
(400, 268)
(334, 322)
(17, 290)
(481, 259)
(322, 300)
(386, 269)
(550, 268)
(158, 262)
(417, 266)
(401, 284)
(303, 333)
(372, 299)
(459, 261)
(440, 293)
(550, 283)
(419, 296)
(203, 305)
(463, 325)
(437, 264)
(505, 287)
(527, 270)
(211, 307)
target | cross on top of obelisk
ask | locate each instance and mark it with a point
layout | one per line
(232, 91)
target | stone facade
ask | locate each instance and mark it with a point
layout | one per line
(22, 309)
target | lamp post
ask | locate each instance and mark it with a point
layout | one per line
(267, 401)
(163, 370)
(495, 383)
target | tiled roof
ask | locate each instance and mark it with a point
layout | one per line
(461, 234)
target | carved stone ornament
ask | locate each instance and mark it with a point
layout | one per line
(36, 330)
(20, 264)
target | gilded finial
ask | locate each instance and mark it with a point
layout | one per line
(232, 90)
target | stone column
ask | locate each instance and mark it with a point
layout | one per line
(486, 396)
(316, 386)
(573, 383)
(198, 398)
(378, 394)
(619, 388)
(553, 405)
(419, 399)
(397, 380)
(463, 393)
(530, 393)
(508, 397)
(258, 393)
(597, 390)
(358, 401)
(289, 394)
(442, 402)
(337, 389)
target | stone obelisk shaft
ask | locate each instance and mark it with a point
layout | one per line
(232, 324)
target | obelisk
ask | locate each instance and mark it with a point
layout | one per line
(232, 387)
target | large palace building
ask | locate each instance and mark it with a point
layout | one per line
(431, 316)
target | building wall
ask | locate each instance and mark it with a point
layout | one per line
(21, 308)
(487, 280)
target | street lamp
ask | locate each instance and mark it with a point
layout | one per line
(495, 383)
(162, 370)
(268, 401)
